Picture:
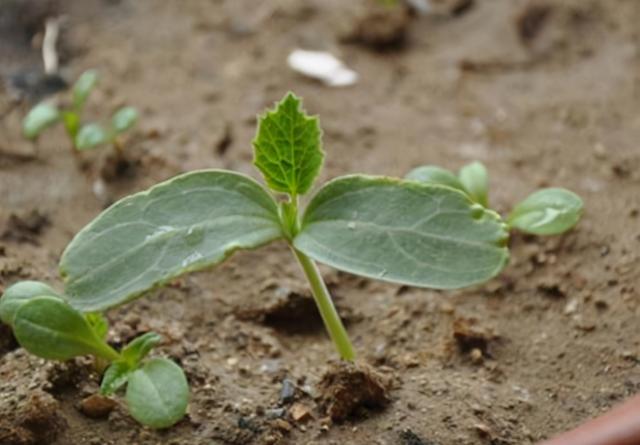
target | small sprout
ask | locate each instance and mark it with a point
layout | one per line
(49, 327)
(83, 137)
(379, 227)
(548, 211)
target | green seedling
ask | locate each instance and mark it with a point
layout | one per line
(47, 326)
(83, 137)
(548, 211)
(384, 228)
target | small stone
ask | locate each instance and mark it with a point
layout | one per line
(288, 391)
(571, 307)
(96, 406)
(274, 413)
(300, 412)
(476, 356)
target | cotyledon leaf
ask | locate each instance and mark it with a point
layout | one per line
(403, 231)
(185, 224)
(158, 393)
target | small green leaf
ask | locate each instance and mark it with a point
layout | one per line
(116, 375)
(287, 147)
(71, 122)
(41, 117)
(158, 393)
(138, 349)
(98, 323)
(403, 231)
(475, 179)
(18, 294)
(547, 212)
(431, 174)
(90, 136)
(83, 86)
(185, 224)
(123, 119)
(50, 328)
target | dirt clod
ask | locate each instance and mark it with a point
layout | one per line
(38, 422)
(472, 338)
(346, 387)
(380, 27)
(300, 412)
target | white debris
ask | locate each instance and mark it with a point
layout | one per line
(323, 66)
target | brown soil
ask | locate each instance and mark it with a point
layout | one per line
(542, 92)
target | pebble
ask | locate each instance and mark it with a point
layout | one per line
(300, 412)
(288, 391)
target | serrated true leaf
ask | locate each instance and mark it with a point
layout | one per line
(18, 294)
(49, 328)
(475, 179)
(185, 224)
(287, 147)
(124, 119)
(403, 231)
(83, 86)
(39, 118)
(116, 376)
(547, 212)
(158, 393)
(140, 346)
(90, 136)
(431, 174)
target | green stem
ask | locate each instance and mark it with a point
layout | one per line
(330, 316)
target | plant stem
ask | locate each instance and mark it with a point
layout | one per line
(330, 316)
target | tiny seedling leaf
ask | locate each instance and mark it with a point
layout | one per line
(50, 328)
(138, 349)
(123, 119)
(475, 179)
(40, 117)
(116, 375)
(18, 294)
(71, 121)
(185, 224)
(431, 174)
(98, 323)
(403, 231)
(547, 212)
(83, 86)
(287, 147)
(158, 393)
(90, 136)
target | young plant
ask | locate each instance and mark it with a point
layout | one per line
(548, 211)
(83, 137)
(384, 228)
(46, 325)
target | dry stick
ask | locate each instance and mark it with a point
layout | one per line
(49, 53)
(619, 426)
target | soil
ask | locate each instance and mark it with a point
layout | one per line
(542, 92)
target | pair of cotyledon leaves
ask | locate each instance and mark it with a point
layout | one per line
(404, 231)
(157, 392)
(85, 137)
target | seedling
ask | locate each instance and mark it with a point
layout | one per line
(380, 227)
(548, 211)
(46, 325)
(83, 137)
